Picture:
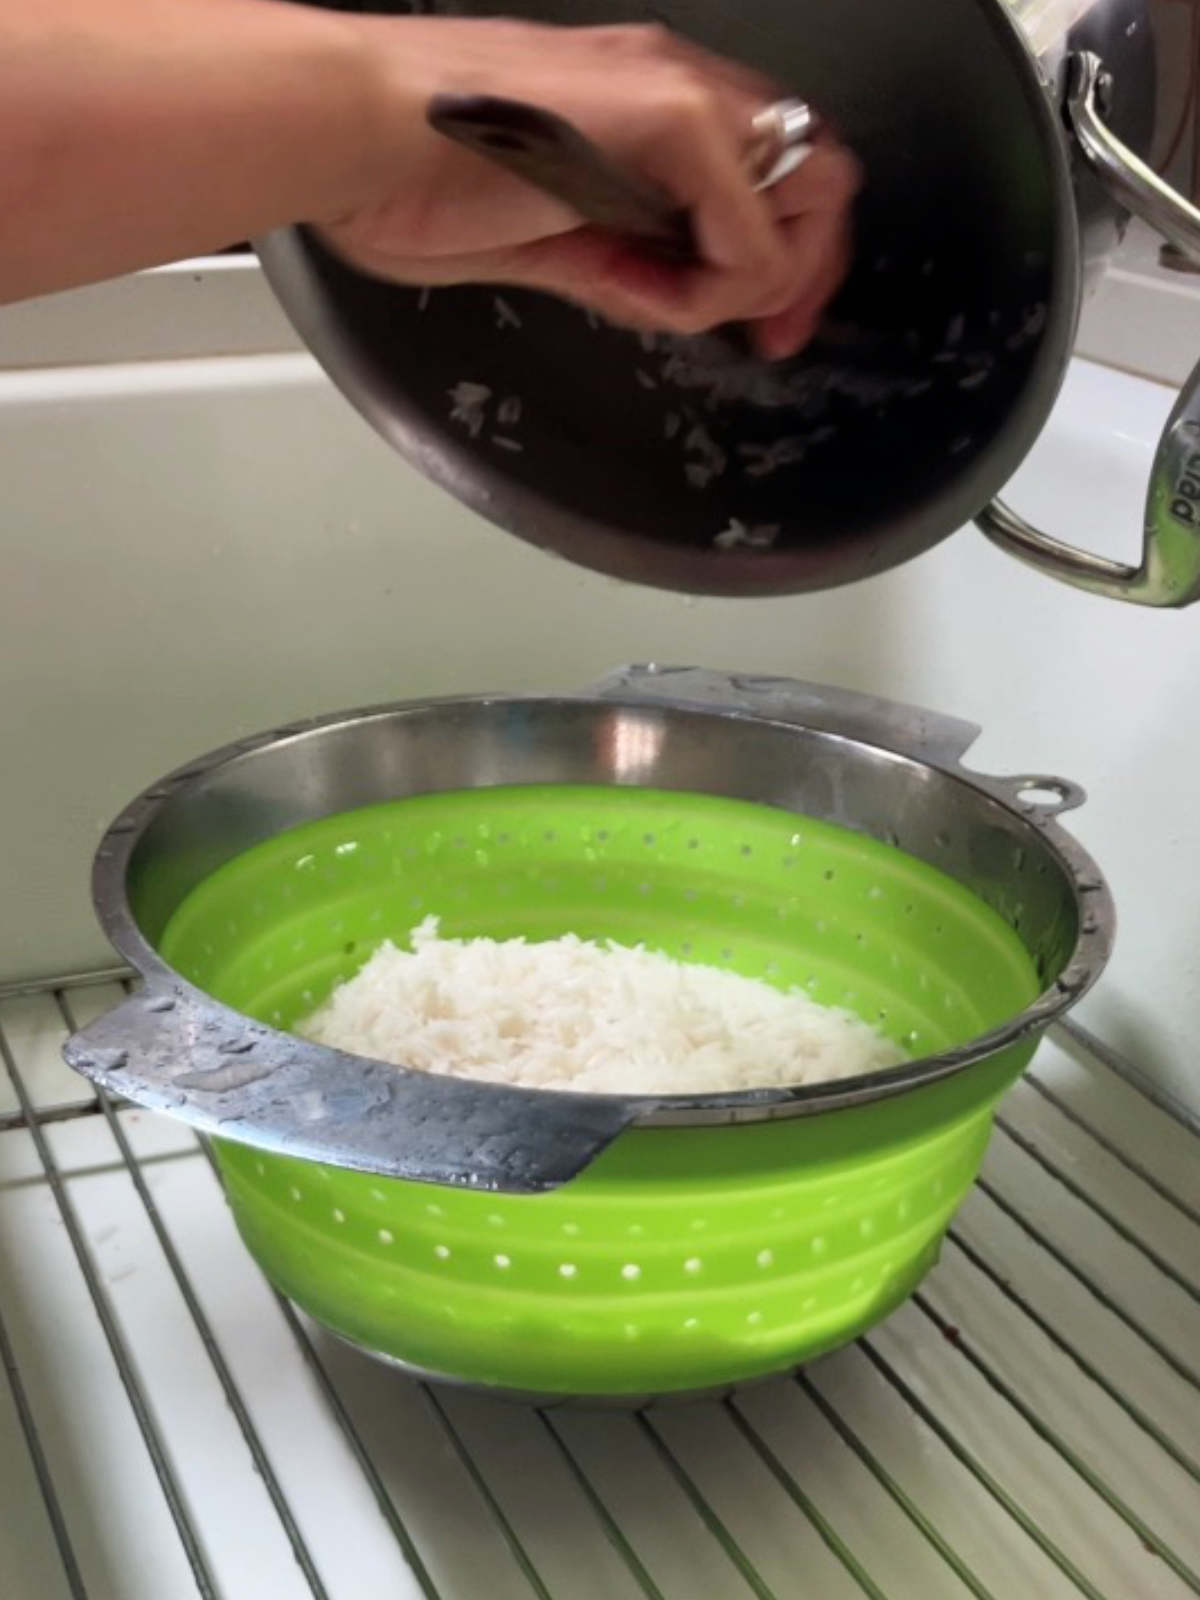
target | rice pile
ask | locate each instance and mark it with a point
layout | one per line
(569, 1014)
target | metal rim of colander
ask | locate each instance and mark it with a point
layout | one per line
(1094, 934)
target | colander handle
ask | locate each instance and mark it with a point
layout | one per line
(181, 1053)
(1169, 571)
(928, 736)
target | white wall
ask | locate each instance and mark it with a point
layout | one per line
(193, 549)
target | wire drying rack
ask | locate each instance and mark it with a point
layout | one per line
(1027, 1426)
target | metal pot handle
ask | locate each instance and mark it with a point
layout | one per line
(1169, 573)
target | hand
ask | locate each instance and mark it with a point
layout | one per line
(430, 212)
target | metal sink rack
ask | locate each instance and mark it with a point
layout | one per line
(1028, 1426)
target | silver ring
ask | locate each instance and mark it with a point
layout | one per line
(782, 135)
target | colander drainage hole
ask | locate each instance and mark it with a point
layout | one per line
(631, 1271)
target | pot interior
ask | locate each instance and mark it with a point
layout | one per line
(936, 369)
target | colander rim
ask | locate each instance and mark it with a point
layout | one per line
(1088, 957)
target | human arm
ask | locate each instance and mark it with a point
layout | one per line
(139, 131)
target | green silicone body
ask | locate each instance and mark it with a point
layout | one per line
(685, 1257)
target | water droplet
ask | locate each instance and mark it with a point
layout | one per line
(106, 1060)
(160, 1003)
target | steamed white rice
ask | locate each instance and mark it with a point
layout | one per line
(569, 1014)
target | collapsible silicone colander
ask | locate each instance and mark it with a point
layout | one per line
(559, 1244)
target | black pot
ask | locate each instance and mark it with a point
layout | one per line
(1000, 167)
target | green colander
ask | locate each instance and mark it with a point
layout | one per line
(568, 1245)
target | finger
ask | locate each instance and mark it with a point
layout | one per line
(826, 180)
(821, 244)
(740, 92)
(691, 154)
